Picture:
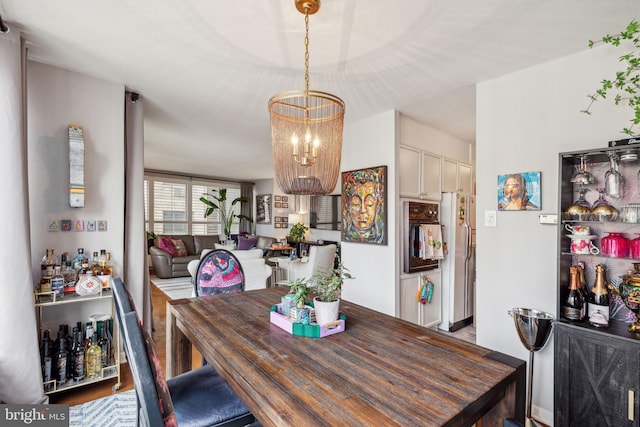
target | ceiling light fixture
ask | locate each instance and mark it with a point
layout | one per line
(306, 131)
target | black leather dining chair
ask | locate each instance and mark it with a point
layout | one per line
(196, 398)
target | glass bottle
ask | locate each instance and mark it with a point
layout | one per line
(109, 264)
(78, 357)
(599, 299)
(94, 359)
(61, 361)
(103, 342)
(94, 266)
(104, 274)
(582, 282)
(45, 356)
(573, 306)
(77, 260)
(69, 275)
(85, 271)
(57, 283)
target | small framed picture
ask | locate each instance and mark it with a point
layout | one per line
(78, 225)
(285, 198)
(277, 205)
(276, 198)
(277, 219)
(285, 205)
(276, 225)
(53, 225)
(65, 224)
(102, 225)
(90, 225)
(519, 191)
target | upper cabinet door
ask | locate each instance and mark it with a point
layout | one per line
(449, 176)
(431, 188)
(465, 178)
(409, 171)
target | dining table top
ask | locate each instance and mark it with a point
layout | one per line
(380, 370)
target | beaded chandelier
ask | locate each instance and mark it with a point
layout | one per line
(306, 131)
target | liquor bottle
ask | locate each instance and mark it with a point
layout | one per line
(582, 282)
(78, 357)
(599, 299)
(77, 260)
(104, 274)
(69, 275)
(48, 261)
(61, 362)
(88, 333)
(46, 360)
(573, 306)
(94, 359)
(104, 344)
(109, 263)
(94, 266)
(85, 271)
(57, 283)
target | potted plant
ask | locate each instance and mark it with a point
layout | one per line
(297, 232)
(298, 292)
(328, 289)
(626, 83)
(217, 200)
(151, 237)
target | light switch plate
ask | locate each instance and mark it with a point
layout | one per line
(490, 219)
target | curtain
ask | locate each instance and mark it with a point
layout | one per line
(136, 271)
(20, 373)
(246, 190)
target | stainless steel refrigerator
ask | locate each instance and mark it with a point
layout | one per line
(458, 218)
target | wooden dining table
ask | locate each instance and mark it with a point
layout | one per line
(380, 371)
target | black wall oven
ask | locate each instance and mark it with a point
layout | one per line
(414, 215)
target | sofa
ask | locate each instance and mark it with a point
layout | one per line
(171, 254)
(252, 261)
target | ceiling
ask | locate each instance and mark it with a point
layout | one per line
(206, 69)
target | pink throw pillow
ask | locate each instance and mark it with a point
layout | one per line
(180, 248)
(166, 244)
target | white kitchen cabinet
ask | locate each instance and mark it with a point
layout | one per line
(419, 173)
(456, 176)
(429, 314)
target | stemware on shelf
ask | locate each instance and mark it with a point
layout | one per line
(581, 209)
(602, 210)
(582, 175)
(613, 180)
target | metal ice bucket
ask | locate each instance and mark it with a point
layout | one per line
(533, 327)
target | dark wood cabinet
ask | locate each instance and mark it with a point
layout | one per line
(597, 378)
(597, 370)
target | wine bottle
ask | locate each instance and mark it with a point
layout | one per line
(78, 357)
(599, 299)
(94, 359)
(103, 342)
(582, 285)
(61, 362)
(45, 355)
(573, 306)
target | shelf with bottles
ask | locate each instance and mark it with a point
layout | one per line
(109, 372)
(49, 298)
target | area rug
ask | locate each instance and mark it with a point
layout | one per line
(117, 410)
(175, 288)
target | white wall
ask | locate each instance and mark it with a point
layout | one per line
(368, 143)
(56, 98)
(523, 121)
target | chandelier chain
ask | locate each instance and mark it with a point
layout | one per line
(306, 50)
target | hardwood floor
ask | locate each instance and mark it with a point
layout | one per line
(91, 392)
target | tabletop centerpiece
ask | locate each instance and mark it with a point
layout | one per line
(327, 286)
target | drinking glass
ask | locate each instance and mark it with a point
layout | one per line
(613, 181)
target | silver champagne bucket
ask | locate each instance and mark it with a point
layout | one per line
(534, 329)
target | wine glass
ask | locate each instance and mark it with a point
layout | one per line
(582, 175)
(613, 181)
(581, 200)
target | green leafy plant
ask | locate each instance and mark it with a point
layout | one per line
(300, 290)
(297, 232)
(327, 286)
(151, 235)
(217, 200)
(626, 84)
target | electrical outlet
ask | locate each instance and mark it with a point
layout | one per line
(490, 219)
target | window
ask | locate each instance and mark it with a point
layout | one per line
(172, 205)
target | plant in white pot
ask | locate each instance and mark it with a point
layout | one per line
(327, 287)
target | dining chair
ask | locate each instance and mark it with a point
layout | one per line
(320, 257)
(219, 272)
(196, 398)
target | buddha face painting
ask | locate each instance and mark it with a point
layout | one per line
(363, 213)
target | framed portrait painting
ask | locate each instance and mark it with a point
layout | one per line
(519, 192)
(263, 209)
(364, 206)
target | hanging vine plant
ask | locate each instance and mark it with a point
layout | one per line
(625, 86)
